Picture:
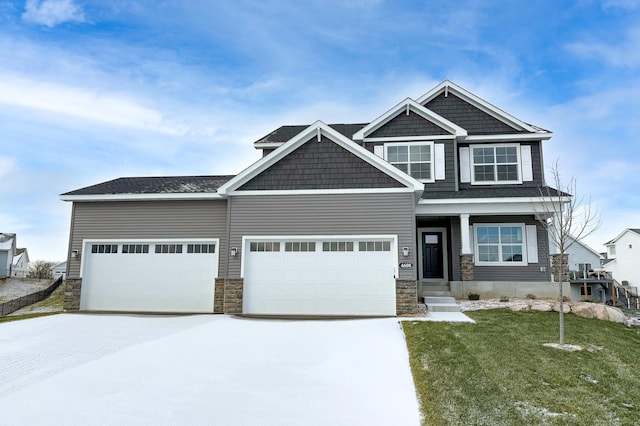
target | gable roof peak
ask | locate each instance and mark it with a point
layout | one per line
(447, 86)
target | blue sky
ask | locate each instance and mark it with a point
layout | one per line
(95, 90)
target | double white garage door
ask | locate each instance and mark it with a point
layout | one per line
(319, 275)
(149, 275)
(343, 275)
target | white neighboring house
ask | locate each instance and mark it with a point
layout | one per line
(20, 267)
(59, 270)
(582, 257)
(623, 254)
(7, 251)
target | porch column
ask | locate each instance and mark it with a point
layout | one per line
(466, 254)
(464, 234)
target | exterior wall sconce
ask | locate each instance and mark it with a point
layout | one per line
(234, 251)
(75, 254)
(405, 251)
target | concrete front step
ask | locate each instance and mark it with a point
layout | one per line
(441, 304)
(439, 293)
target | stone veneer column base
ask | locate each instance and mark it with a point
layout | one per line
(466, 267)
(72, 289)
(218, 296)
(406, 297)
(233, 290)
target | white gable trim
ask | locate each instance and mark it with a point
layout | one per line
(267, 145)
(480, 103)
(143, 197)
(319, 129)
(410, 105)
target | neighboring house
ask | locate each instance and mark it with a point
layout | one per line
(623, 257)
(20, 267)
(7, 251)
(59, 270)
(440, 193)
(583, 262)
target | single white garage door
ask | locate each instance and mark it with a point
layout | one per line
(320, 276)
(149, 276)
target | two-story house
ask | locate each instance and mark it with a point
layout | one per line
(623, 253)
(7, 251)
(440, 193)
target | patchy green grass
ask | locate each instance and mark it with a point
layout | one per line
(497, 372)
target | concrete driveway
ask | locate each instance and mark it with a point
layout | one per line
(204, 370)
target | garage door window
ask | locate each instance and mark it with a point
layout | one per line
(337, 246)
(135, 248)
(374, 246)
(300, 246)
(201, 248)
(265, 246)
(104, 248)
(168, 248)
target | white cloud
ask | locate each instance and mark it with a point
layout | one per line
(52, 12)
(621, 4)
(619, 53)
(7, 165)
(110, 108)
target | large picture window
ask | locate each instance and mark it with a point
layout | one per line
(495, 164)
(500, 244)
(413, 158)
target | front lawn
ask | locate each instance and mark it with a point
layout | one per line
(497, 372)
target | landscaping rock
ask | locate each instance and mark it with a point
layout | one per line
(614, 314)
(521, 308)
(566, 308)
(541, 306)
(632, 321)
(585, 310)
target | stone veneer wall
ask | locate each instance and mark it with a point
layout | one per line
(233, 290)
(466, 267)
(406, 297)
(218, 296)
(72, 288)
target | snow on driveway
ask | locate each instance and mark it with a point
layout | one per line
(204, 370)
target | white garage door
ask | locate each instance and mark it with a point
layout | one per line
(320, 276)
(149, 276)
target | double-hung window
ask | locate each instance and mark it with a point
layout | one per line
(492, 164)
(413, 158)
(500, 244)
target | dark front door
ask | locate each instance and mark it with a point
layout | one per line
(432, 263)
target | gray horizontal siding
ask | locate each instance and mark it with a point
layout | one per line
(408, 125)
(320, 165)
(530, 272)
(148, 219)
(467, 116)
(324, 215)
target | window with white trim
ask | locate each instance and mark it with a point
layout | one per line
(500, 244)
(201, 248)
(491, 164)
(104, 248)
(413, 158)
(168, 248)
(374, 246)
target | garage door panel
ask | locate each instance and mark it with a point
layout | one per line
(152, 282)
(319, 282)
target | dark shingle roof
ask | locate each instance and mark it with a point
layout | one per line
(284, 133)
(503, 192)
(155, 185)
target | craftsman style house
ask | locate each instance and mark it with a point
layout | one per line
(437, 194)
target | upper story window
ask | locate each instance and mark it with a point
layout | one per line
(491, 164)
(414, 158)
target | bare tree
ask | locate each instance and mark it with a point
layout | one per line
(567, 218)
(41, 269)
